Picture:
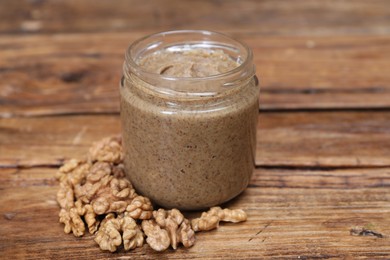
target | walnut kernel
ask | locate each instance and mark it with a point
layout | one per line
(115, 230)
(210, 219)
(156, 237)
(140, 208)
(104, 191)
(176, 226)
(107, 150)
(73, 222)
(108, 236)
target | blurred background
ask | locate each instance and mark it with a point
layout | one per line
(311, 54)
(268, 17)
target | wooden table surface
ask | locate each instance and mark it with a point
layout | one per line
(323, 149)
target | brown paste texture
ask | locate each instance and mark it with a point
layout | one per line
(194, 63)
(189, 154)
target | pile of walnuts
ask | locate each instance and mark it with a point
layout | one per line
(95, 194)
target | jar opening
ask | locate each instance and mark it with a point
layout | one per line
(187, 40)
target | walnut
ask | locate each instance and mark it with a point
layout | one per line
(118, 171)
(71, 217)
(234, 215)
(99, 189)
(65, 196)
(69, 166)
(73, 222)
(104, 191)
(170, 221)
(175, 225)
(186, 234)
(115, 230)
(140, 208)
(71, 211)
(73, 172)
(157, 238)
(98, 171)
(89, 216)
(210, 219)
(108, 236)
(99, 186)
(107, 150)
(132, 235)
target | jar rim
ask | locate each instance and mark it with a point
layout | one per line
(132, 60)
(244, 70)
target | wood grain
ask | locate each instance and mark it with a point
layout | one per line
(322, 139)
(291, 213)
(323, 164)
(314, 17)
(62, 74)
(330, 139)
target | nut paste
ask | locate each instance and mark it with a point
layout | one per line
(195, 63)
(189, 113)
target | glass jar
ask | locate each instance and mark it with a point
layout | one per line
(189, 143)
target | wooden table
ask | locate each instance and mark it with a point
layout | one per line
(323, 154)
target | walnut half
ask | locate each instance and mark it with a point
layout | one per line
(107, 150)
(73, 222)
(113, 231)
(169, 227)
(157, 238)
(210, 219)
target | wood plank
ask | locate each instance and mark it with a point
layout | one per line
(27, 142)
(314, 17)
(322, 73)
(291, 213)
(321, 139)
(333, 139)
(60, 74)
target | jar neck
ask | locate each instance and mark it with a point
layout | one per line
(187, 87)
(137, 88)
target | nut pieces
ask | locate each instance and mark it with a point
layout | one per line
(140, 208)
(73, 222)
(210, 219)
(98, 186)
(105, 192)
(95, 188)
(113, 231)
(176, 226)
(157, 238)
(107, 150)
